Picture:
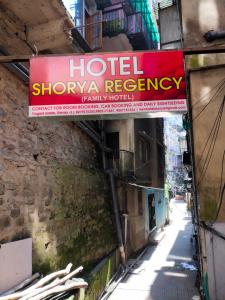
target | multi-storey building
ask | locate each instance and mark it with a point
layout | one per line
(138, 147)
(138, 159)
(132, 18)
(52, 184)
(176, 145)
(138, 144)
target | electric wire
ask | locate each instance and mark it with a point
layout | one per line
(211, 131)
(220, 203)
(209, 154)
(214, 96)
(214, 133)
(218, 85)
(212, 230)
(221, 190)
(212, 144)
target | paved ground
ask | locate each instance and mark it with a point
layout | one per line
(160, 274)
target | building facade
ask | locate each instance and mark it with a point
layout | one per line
(138, 144)
(54, 186)
(176, 145)
(202, 28)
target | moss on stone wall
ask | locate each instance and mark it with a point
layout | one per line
(81, 230)
(208, 198)
(50, 188)
(99, 279)
(199, 61)
(193, 62)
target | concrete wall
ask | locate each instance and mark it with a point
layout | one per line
(138, 228)
(198, 17)
(207, 94)
(214, 254)
(126, 133)
(170, 28)
(117, 43)
(208, 85)
(27, 27)
(50, 185)
(147, 173)
(137, 237)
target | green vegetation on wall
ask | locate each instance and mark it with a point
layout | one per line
(81, 230)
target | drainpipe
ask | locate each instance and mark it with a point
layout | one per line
(213, 35)
(117, 217)
(103, 138)
(125, 232)
(194, 186)
(100, 140)
(93, 135)
(79, 16)
(125, 228)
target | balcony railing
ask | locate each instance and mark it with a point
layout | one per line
(114, 22)
(137, 25)
(123, 18)
(93, 31)
(103, 3)
(88, 30)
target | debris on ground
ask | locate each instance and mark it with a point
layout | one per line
(188, 266)
(52, 285)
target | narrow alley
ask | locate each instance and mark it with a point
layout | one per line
(166, 271)
(112, 150)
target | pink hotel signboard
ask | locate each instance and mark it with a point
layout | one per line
(107, 84)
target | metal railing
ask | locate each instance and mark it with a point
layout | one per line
(103, 3)
(116, 22)
(94, 31)
(88, 28)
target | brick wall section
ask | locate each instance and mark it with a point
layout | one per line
(50, 186)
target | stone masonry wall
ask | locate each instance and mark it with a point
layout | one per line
(50, 185)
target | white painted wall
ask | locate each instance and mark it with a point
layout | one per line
(214, 261)
(15, 263)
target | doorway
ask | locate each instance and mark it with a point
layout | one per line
(151, 208)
